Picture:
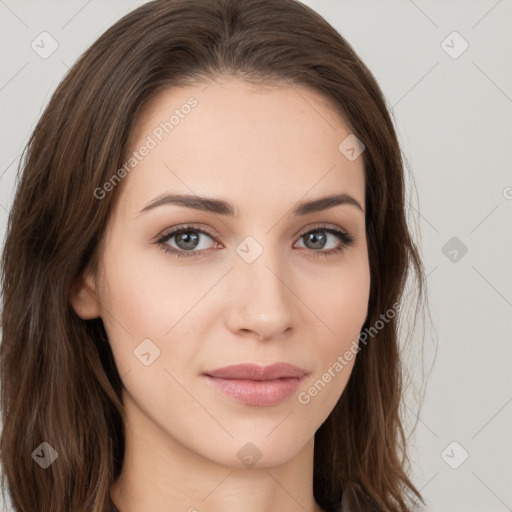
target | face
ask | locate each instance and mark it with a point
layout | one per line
(249, 281)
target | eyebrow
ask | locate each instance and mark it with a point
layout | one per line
(220, 207)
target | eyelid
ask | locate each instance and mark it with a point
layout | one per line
(185, 227)
(320, 226)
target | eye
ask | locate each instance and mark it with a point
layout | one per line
(316, 238)
(188, 239)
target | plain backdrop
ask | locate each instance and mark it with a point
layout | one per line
(445, 69)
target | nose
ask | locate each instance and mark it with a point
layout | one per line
(263, 301)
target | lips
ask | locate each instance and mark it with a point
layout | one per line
(257, 385)
(255, 372)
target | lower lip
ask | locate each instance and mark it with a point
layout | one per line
(257, 392)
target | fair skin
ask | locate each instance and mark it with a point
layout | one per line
(264, 150)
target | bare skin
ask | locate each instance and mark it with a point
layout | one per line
(264, 150)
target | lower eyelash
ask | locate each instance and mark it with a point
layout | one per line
(347, 240)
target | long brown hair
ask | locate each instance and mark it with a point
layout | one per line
(59, 382)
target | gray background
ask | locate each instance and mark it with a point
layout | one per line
(453, 116)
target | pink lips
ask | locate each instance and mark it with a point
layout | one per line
(257, 385)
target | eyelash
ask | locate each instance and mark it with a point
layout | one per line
(347, 240)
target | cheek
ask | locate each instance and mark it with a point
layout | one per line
(141, 301)
(340, 300)
(341, 303)
(146, 291)
(147, 296)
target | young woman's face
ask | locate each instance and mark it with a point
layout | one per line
(260, 286)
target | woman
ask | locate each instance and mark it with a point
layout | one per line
(197, 151)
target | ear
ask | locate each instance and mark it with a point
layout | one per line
(84, 297)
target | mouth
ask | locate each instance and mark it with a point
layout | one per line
(256, 385)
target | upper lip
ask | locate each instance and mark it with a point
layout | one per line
(256, 372)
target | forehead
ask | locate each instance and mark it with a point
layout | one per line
(233, 138)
